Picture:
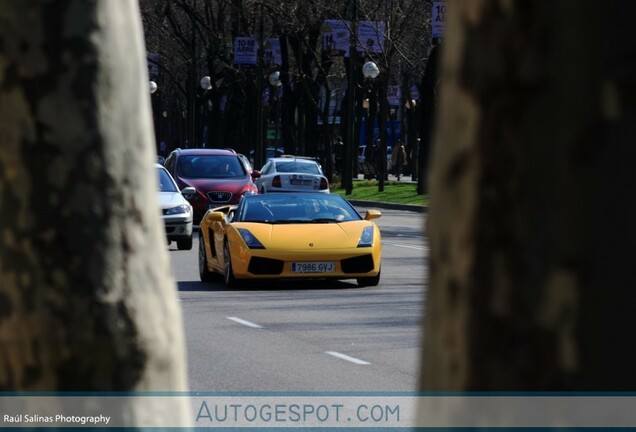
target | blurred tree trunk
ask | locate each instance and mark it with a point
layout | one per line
(87, 300)
(426, 111)
(532, 224)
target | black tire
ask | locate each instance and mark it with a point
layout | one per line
(228, 273)
(185, 244)
(369, 281)
(204, 274)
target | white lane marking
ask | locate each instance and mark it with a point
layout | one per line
(245, 323)
(405, 246)
(347, 358)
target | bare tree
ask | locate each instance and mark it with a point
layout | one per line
(531, 229)
(87, 300)
(195, 36)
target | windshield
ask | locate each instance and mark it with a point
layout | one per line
(296, 208)
(166, 184)
(210, 166)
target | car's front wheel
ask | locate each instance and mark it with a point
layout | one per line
(228, 273)
(185, 244)
(369, 281)
(204, 274)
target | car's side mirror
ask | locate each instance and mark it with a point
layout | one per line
(214, 216)
(372, 214)
(256, 174)
(188, 192)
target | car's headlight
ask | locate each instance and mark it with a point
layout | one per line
(366, 239)
(177, 210)
(249, 239)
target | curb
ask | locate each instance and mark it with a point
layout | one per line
(391, 206)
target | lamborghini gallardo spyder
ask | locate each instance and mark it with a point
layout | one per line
(305, 235)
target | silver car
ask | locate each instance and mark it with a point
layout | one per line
(176, 210)
(292, 174)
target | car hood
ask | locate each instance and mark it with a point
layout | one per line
(170, 199)
(234, 185)
(300, 236)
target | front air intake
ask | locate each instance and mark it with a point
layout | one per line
(265, 266)
(360, 264)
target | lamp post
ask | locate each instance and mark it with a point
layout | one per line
(370, 71)
(275, 82)
(153, 105)
(412, 144)
(204, 111)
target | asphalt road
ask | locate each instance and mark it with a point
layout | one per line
(299, 336)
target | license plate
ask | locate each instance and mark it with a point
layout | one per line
(300, 182)
(313, 267)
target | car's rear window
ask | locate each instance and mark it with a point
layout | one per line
(297, 167)
(210, 166)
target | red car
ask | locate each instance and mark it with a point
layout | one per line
(220, 177)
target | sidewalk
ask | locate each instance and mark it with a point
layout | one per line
(390, 206)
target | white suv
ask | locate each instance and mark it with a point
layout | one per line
(176, 210)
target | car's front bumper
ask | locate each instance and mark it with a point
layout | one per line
(178, 227)
(266, 264)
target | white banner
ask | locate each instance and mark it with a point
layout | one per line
(363, 411)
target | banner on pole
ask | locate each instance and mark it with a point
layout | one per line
(245, 50)
(438, 16)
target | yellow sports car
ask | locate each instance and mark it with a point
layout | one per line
(290, 236)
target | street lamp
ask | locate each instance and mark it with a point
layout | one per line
(274, 79)
(370, 70)
(410, 141)
(156, 120)
(276, 83)
(204, 116)
(206, 83)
